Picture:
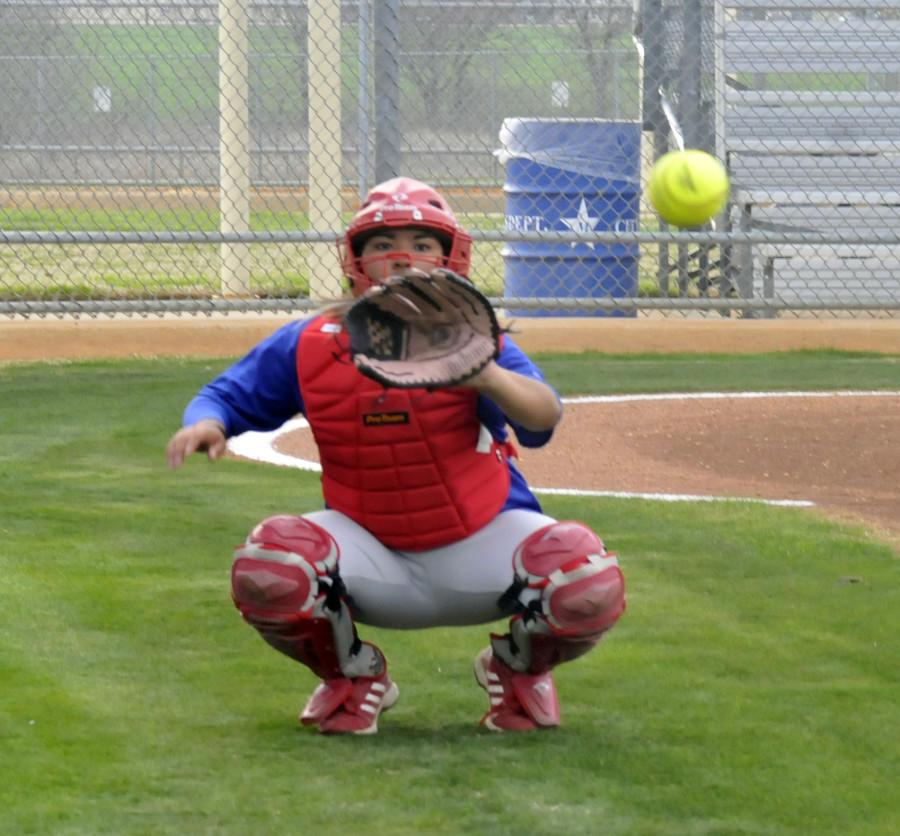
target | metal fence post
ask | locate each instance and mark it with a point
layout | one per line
(652, 31)
(234, 143)
(388, 156)
(152, 139)
(364, 162)
(325, 153)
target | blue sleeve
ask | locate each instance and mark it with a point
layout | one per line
(515, 360)
(259, 392)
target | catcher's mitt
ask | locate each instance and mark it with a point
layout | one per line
(421, 330)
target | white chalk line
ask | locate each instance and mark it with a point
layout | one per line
(704, 396)
(260, 446)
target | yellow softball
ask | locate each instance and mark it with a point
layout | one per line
(687, 188)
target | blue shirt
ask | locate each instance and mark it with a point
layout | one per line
(262, 390)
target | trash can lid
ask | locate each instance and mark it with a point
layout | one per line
(595, 147)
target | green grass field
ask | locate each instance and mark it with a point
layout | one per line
(115, 271)
(749, 689)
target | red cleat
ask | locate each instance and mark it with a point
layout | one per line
(350, 706)
(518, 701)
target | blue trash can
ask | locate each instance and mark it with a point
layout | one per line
(574, 175)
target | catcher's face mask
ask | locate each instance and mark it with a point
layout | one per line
(403, 203)
(394, 252)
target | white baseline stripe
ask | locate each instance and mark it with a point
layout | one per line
(675, 497)
(701, 396)
(260, 446)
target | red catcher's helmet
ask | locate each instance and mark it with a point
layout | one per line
(405, 202)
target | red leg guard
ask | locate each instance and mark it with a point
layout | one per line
(285, 583)
(569, 591)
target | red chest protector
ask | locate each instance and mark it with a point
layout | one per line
(415, 468)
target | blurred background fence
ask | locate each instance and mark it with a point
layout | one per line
(191, 157)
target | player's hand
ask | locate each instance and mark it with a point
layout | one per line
(206, 435)
(484, 380)
(527, 401)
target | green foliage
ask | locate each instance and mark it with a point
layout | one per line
(169, 73)
(749, 689)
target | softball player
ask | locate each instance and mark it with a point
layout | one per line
(427, 519)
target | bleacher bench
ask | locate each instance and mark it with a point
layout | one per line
(823, 160)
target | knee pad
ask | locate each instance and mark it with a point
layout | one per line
(567, 591)
(565, 579)
(282, 570)
(285, 582)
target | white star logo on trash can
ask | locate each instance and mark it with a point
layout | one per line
(582, 223)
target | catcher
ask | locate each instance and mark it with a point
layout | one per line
(409, 389)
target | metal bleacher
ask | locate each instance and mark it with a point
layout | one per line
(809, 100)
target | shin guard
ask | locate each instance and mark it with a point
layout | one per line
(285, 583)
(567, 591)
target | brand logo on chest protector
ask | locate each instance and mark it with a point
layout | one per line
(382, 419)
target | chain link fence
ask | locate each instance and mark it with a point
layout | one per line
(191, 157)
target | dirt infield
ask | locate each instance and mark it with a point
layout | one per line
(838, 452)
(833, 450)
(215, 336)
